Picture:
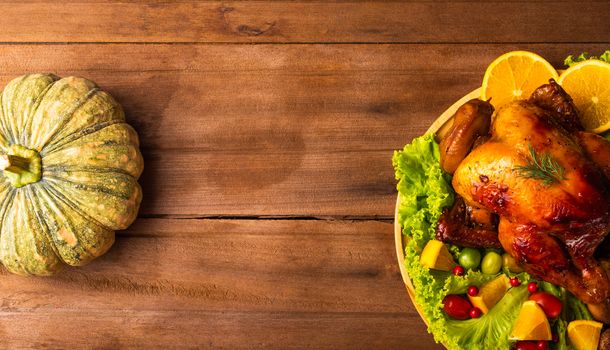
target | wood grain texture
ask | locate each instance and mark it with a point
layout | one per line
(222, 283)
(110, 330)
(302, 124)
(287, 21)
(291, 130)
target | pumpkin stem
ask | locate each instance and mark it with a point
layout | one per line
(21, 166)
(14, 164)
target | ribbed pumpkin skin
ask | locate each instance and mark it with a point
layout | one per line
(90, 166)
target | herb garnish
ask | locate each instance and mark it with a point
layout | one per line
(542, 167)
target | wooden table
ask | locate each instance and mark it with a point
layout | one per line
(267, 129)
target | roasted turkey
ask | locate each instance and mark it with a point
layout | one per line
(548, 183)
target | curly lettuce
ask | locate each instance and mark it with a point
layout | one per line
(571, 60)
(425, 190)
(423, 187)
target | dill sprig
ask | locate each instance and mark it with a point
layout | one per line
(542, 167)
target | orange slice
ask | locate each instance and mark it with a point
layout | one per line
(588, 83)
(515, 75)
(490, 293)
(584, 335)
(531, 323)
(436, 256)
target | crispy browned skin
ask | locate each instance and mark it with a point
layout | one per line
(553, 230)
(468, 227)
(598, 149)
(555, 100)
(470, 121)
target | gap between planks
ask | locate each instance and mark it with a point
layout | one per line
(205, 43)
(380, 218)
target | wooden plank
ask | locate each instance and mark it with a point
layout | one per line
(60, 329)
(280, 283)
(285, 21)
(239, 265)
(302, 130)
(268, 183)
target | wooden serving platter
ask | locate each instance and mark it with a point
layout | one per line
(439, 127)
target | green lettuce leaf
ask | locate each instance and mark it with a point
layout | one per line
(425, 190)
(423, 187)
(607, 135)
(571, 60)
(490, 331)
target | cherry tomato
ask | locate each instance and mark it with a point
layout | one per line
(549, 303)
(458, 271)
(527, 345)
(473, 291)
(457, 307)
(514, 281)
(542, 345)
(532, 287)
(475, 312)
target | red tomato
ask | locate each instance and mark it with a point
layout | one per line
(457, 307)
(549, 303)
(526, 345)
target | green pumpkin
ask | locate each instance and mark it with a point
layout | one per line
(70, 166)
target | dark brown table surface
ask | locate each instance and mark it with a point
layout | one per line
(267, 129)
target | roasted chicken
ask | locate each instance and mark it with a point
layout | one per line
(549, 182)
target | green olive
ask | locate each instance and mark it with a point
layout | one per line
(492, 263)
(470, 258)
(511, 264)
